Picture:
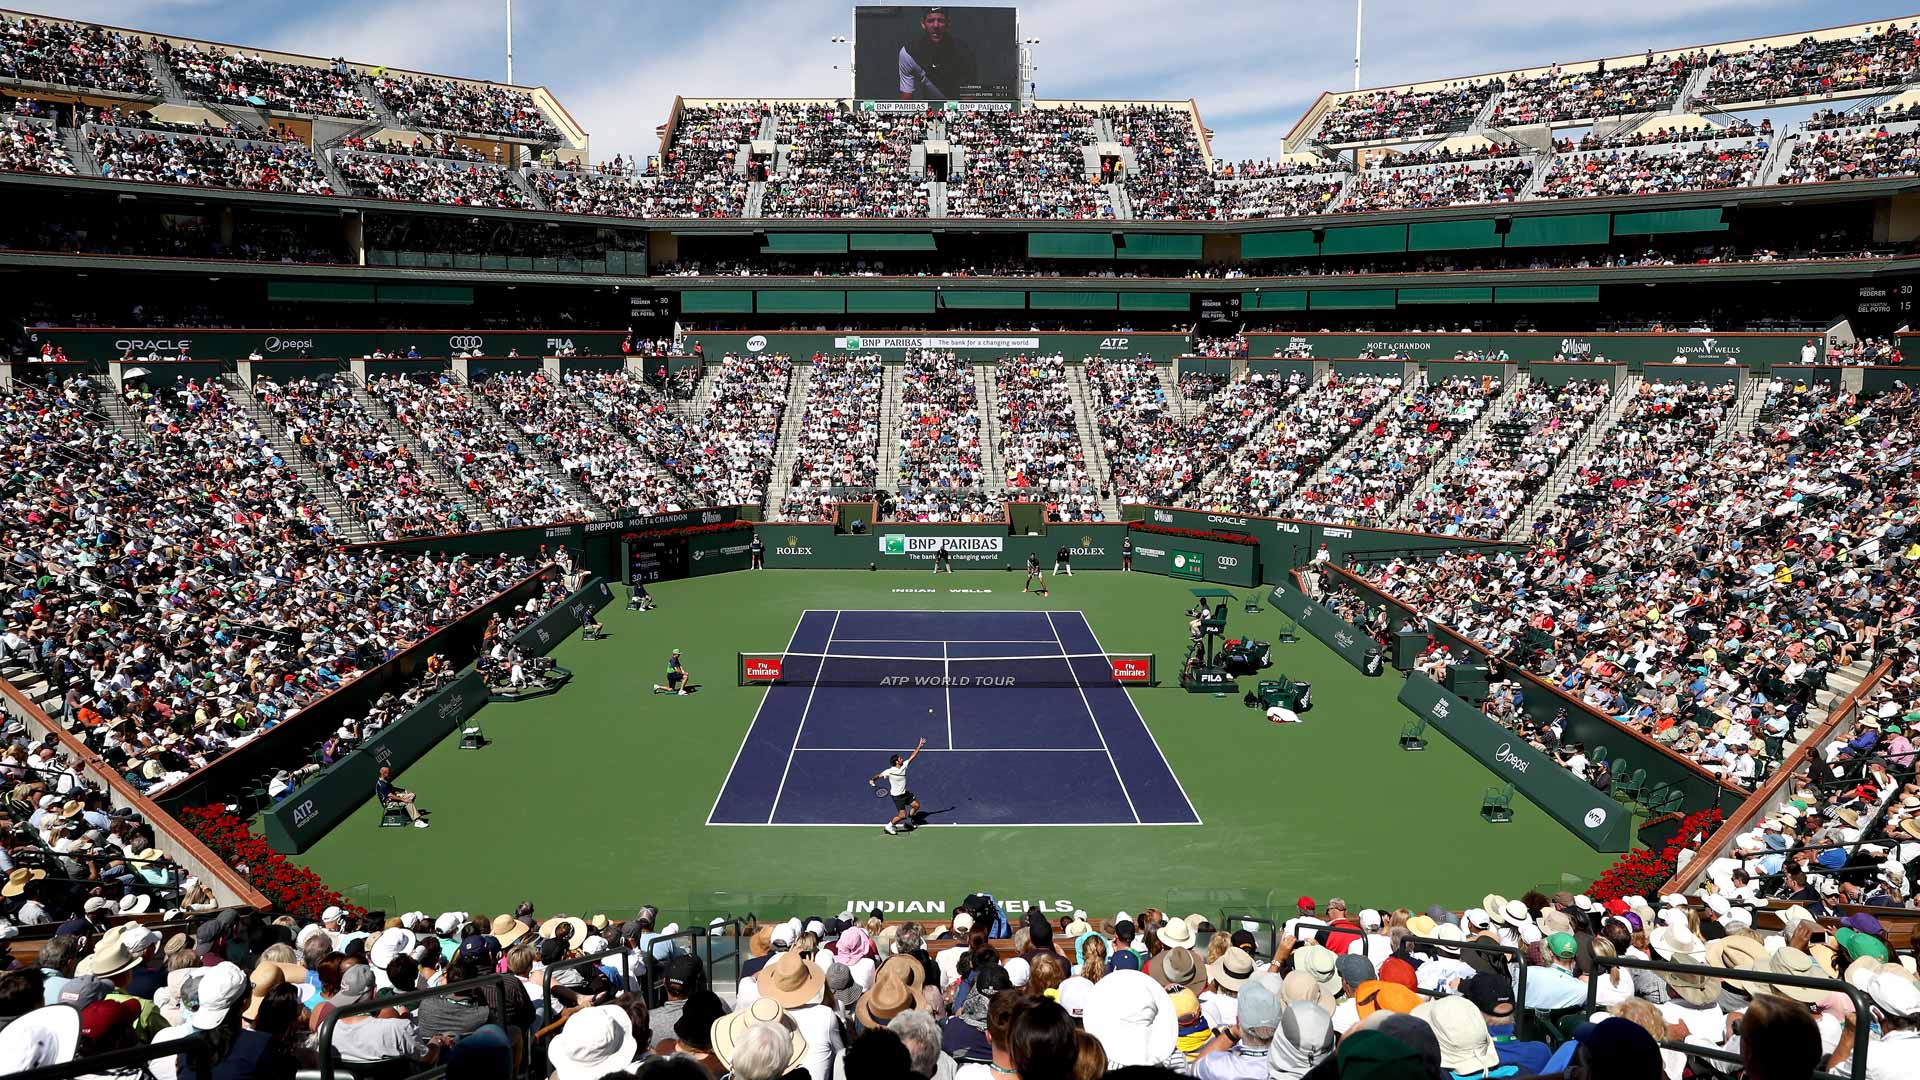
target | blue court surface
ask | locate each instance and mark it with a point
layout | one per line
(1024, 726)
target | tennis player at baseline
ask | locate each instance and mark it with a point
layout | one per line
(904, 803)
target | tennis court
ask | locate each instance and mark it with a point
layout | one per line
(994, 693)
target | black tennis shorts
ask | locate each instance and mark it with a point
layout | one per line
(903, 800)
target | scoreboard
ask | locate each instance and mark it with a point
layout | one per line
(1883, 305)
(656, 558)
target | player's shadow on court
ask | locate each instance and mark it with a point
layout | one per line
(925, 816)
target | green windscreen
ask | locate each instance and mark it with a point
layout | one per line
(717, 302)
(1278, 245)
(1560, 229)
(1070, 245)
(1364, 239)
(890, 301)
(320, 291)
(800, 301)
(1451, 235)
(1668, 221)
(426, 294)
(1158, 246)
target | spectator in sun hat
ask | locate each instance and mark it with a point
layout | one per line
(596, 1041)
(1134, 1020)
(1896, 1007)
(1320, 963)
(1466, 1048)
(46, 1036)
(1178, 968)
(797, 986)
(1492, 994)
(1446, 964)
(1226, 978)
(763, 1041)
(965, 1033)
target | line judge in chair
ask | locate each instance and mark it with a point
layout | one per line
(393, 796)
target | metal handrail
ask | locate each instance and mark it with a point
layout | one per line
(1861, 1004)
(194, 1045)
(324, 1040)
(1516, 960)
(590, 961)
(1273, 930)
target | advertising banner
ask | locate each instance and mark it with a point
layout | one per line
(1196, 560)
(1186, 564)
(1353, 645)
(1757, 351)
(553, 627)
(103, 344)
(719, 552)
(1596, 819)
(1159, 345)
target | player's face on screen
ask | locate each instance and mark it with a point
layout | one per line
(935, 24)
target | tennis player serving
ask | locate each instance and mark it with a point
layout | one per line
(904, 804)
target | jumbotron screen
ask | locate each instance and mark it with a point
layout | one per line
(914, 53)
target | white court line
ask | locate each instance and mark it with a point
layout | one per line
(946, 641)
(1121, 780)
(946, 679)
(957, 750)
(964, 825)
(804, 709)
(1088, 623)
(750, 725)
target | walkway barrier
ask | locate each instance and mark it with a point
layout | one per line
(130, 1062)
(323, 1043)
(1862, 1006)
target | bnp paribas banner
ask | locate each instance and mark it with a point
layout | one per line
(890, 346)
(1604, 825)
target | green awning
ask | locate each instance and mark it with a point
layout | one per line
(800, 301)
(1452, 235)
(1560, 229)
(975, 299)
(890, 241)
(1456, 294)
(1364, 240)
(1159, 246)
(1155, 301)
(1070, 300)
(1668, 221)
(1279, 245)
(717, 302)
(1352, 299)
(783, 243)
(1070, 245)
(325, 292)
(1547, 294)
(1274, 301)
(890, 301)
(426, 294)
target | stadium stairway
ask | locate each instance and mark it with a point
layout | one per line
(888, 477)
(701, 390)
(1121, 201)
(937, 199)
(115, 408)
(1778, 157)
(549, 463)
(1746, 410)
(382, 111)
(1469, 440)
(986, 401)
(1544, 499)
(171, 91)
(79, 152)
(788, 448)
(449, 483)
(1091, 446)
(346, 524)
(1177, 403)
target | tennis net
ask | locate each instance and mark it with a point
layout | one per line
(1087, 670)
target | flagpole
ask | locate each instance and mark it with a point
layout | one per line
(1359, 6)
(510, 42)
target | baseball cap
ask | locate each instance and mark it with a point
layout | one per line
(479, 945)
(222, 987)
(682, 969)
(102, 1017)
(1353, 968)
(1259, 1007)
(1562, 945)
(83, 991)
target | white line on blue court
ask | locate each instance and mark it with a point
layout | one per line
(1142, 721)
(748, 737)
(804, 709)
(1095, 720)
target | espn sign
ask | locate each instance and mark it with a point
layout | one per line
(1131, 669)
(761, 668)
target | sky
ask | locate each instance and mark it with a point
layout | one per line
(1252, 65)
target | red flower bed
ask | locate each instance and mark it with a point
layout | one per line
(1195, 534)
(1641, 872)
(293, 889)
(692, 530)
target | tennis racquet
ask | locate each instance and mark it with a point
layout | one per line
(879, 791)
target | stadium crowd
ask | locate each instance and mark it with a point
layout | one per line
(836, 450)
(217, 74)
(1155, 454)
(475, 447)
(1280, 456)
(1478, 490)
(1364, 480)
(610, 466)
(1853, 154)
(942, 475)
(430, 181)
(1557, 95)
(842, 163)
(1041, 451)
(480, 108)
(378, 478)
(28, 145)
(1419, 187)
(700, 172)
(1382, 115)
(1692, 167)
(72, 54)
(1027, 164)
(204, 161)
(1883, 56)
